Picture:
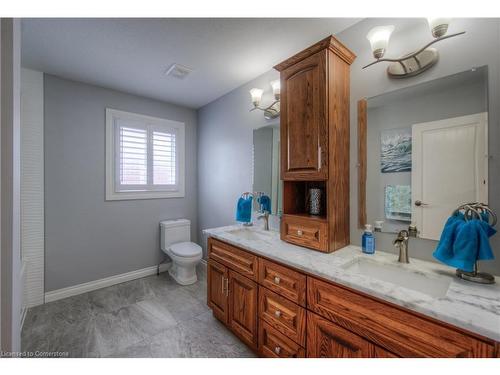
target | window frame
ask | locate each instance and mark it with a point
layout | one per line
(115, 191)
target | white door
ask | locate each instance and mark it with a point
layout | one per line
(449, 168)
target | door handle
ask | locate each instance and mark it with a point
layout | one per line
(222, 291)
(419, 203)
(227, 287)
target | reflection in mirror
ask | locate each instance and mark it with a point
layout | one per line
(426, 152)
(266, 154)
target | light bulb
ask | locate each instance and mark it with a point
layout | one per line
(438, 25)
(256, 96)
(379, 39)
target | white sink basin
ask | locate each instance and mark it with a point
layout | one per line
(432, 285)
(247, 234)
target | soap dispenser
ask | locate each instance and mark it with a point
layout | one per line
(368, 240)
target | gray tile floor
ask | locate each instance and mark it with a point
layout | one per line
(148, 317)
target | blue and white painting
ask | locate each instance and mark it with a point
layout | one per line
(397, 205)
(395, 151)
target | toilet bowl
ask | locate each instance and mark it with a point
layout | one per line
(185, 255)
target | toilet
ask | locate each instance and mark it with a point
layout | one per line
(185, 255)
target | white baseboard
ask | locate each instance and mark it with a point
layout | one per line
(102, 283)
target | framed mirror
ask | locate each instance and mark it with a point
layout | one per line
(266, 165)
(423, 151)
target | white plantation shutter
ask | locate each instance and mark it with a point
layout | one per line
(164, 158)
(148, 157)
(133, 156)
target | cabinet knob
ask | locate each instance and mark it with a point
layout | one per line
(277, 280)
(277, 350)
(299, 233)
(277, 313)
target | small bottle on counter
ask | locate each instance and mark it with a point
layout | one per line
(378, 225)
(368, 240)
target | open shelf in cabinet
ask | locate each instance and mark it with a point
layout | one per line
(296, 201)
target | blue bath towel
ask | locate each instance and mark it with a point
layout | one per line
(244, 209)
(265, 203)
(463, 242)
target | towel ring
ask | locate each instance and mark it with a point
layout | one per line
(484, 208)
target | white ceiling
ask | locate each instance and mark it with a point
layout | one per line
(132, 55)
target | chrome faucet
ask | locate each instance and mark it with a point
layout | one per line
(401, 242)
(265, 216)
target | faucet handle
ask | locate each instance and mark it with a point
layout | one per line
(402, 236)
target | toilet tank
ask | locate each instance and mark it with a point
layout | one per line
(174, 231)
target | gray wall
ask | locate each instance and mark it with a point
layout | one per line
(446, 99)
(10, 159)
(225, 142)
(226, 125)
(88, 238)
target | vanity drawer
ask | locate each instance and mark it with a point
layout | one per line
(283, 280)
(233, 257)
(273, 344)
(400, 332)
(305, 231)
(283, 315)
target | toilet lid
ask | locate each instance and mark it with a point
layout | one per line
(185, 249)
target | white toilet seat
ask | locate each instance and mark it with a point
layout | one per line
(186, 249)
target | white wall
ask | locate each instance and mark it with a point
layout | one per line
(225, 137)
(32, 201)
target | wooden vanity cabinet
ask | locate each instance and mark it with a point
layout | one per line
(279, 311)
(233, 299)
(329, 340)
(314, 142)
(304, 141)
(217, 278)
(242, 308)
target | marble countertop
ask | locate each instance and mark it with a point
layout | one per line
(467, 305)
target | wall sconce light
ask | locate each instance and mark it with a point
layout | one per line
(273, 110)
(413, 63)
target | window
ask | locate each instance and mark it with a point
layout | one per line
(144, 156)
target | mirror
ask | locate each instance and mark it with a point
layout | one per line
(423, 151)
(266, 165)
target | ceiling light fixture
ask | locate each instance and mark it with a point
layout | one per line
(412, 63)
(273, 110)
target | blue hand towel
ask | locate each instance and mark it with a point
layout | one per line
(244, 209)
(265, 203)
(463, 242)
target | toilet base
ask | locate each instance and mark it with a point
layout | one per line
(183, 275)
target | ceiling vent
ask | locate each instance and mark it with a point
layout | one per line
(178, 71)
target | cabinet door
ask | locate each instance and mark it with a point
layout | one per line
(304, 133)
(328, 340)
(217, 293)
(243, 308)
